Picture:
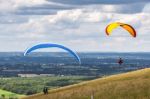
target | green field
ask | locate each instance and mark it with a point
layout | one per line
(8, 94)
(32, 85)
(132, 85)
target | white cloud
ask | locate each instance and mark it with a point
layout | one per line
(146, 9)
(82, 29)
(12, 5)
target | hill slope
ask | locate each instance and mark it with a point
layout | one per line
(132, 85)
(9, 94)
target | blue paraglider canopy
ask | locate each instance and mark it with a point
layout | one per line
(49, 45)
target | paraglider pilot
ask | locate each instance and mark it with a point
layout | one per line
(120, 61)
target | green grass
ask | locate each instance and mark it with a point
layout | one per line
(10, 94)
(132, 85)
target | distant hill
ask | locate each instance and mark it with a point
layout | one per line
(132, 85)
(8, 94)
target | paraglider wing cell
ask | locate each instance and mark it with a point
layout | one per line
(130, 29)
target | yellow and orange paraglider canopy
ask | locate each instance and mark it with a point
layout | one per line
(114, 25)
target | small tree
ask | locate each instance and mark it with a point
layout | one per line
(3, 96)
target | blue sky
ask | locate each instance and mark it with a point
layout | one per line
(78, 24)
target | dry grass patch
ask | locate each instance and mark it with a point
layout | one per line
(132, 85)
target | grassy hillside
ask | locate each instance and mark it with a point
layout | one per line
(8, 94)
(132, 85)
